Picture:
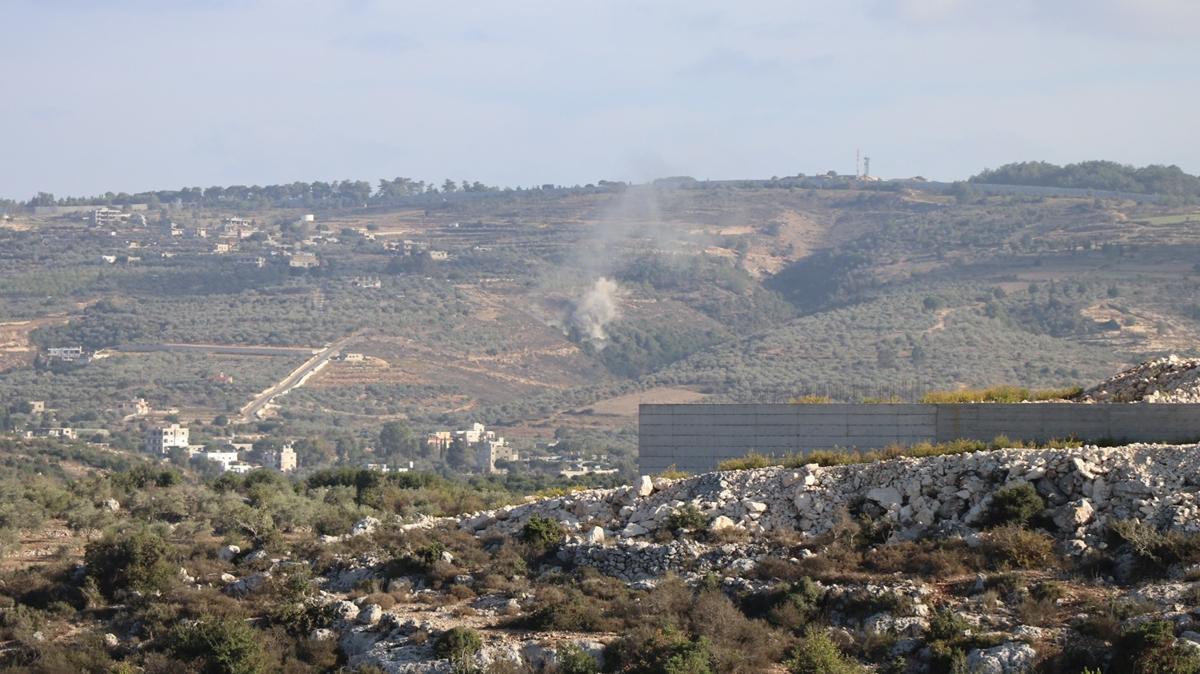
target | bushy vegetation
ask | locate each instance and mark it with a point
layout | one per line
(817, 654)
(542, 533)
(458, 644)
(1015, 505)
(135, 560)
(219, 646)
(1095, 175)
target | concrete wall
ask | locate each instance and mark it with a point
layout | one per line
(695, 438)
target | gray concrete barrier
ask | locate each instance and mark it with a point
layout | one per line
(695, 438)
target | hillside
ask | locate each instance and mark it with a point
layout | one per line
(552, 312)
(1075, 559)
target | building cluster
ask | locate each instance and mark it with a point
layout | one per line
(161, 440)
(65, 433)
(107, 217)
(65, 354)
(489, 448)
(303, 260)
(409, 247)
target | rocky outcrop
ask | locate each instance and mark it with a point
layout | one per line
(1164, 380)
(1084, 488)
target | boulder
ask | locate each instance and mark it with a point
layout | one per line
(720, 523)
(227, 553)
(247, 585)
(595, 536)
(322, 634)
(345, 610)
(756, 507)
(1073, 515)
(364, 526)
(888, 497)
(1012, 657)
(645, 486)
(633, 529)
(370, 614)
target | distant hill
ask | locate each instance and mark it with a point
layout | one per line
(1095, 175)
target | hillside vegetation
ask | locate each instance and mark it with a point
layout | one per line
(740, 291)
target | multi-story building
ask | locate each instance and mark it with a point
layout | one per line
(105, 216)
(283, 459)
(439, 441)
(491, 451)
(163, 439)
(138, 407)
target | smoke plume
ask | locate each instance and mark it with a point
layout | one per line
(595, 309)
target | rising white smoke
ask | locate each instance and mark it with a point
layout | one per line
(598, 307)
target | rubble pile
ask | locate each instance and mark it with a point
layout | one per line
(1084, 489)
(621, 533)
(1164, 380)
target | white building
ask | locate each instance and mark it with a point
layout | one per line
(64, 353)
(65, 433)
(163, 439)
(105, 216)
(225, 458)
(303, 261)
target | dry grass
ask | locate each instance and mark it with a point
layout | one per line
(824, 457)
(1000, 394)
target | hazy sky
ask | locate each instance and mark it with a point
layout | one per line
(154, 94)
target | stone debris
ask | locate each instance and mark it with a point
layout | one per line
(1164, 380)
(1012, 657)
(1084, 488)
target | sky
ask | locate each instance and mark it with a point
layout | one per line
(132, 95)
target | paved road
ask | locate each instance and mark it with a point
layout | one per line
(219, 348)
(296, 378)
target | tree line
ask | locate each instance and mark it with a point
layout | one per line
(1095, 175)
(335, 194)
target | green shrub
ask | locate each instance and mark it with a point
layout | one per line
(688, 518)
(1017, 505)
(1012, 546)
(817, 654)
(799, 606)
(1151, 648)
(135, 560)
(542, 533)
(1156, 550)
(458, 644)
(219, 646)
(647, 650)
(689, 657)
(574, 660)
